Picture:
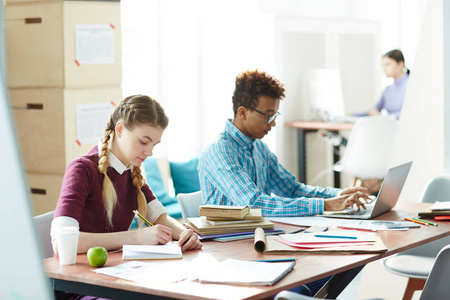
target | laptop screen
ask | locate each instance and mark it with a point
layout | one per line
(392, 187)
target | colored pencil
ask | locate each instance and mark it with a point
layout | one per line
(418, 222)
(425, 221)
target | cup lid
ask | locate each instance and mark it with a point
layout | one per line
(68, 230)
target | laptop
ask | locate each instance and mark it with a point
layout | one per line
(387, 196)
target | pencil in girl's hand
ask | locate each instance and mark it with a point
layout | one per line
(136, 213)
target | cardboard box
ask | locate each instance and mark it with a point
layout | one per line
(45, 189)
(27, 1)
(46, 124)
(31, 1)
(41, 44)
(75, 97)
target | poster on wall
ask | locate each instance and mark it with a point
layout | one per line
(94, 44)
(91, 121)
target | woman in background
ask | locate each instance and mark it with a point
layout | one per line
(392, 99)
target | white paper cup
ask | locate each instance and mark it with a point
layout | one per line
(67, 241)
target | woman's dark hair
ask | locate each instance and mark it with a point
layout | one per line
(396, 55)
(251, 84)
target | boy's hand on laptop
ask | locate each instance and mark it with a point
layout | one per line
(353, 190)
(359, 192)
(347, 198)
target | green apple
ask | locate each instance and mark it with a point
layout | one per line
(97, 256)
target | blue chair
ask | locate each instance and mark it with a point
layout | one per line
(184, 177)
(155, 181)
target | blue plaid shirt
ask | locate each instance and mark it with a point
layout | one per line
(237, 170)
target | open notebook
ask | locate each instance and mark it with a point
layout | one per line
(168, 251)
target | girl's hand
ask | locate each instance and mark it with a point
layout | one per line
(189, 240)
(155, 235)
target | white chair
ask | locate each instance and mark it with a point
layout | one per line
(416, 263)
(43, 223)
(288, 295)
(190, 204)
(437, 286)
(368, 148)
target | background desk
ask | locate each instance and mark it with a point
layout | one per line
(78, 278)
(303, 127)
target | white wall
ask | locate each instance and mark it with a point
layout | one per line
(446, 10)
(186, 54)
(303, 44)
(420, 132)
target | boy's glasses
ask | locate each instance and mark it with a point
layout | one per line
(271, 118)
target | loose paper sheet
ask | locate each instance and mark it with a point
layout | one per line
(91, 121)
(144, 272)
(361, 224)
(94, 44)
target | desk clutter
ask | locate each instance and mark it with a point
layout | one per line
(440, 211)
(204, 269)
(330, 242)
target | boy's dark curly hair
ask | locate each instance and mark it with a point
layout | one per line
(251, 84)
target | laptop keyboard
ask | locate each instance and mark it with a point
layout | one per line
(358, 212)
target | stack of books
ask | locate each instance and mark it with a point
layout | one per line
(222, 214)
(221, 222)
(440, 210)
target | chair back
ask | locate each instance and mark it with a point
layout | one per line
(43, 223)
(438, 189)
(190, 203)
(288, 295)
(369, 147)
(436, 286)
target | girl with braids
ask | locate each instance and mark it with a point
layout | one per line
(101, 189)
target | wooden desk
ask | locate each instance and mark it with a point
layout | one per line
(78, 278)
(303, 127)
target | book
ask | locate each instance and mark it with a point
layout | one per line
(224, 211)
(440, 205)
(232, 271)
(254, 214)
(228, 222)
(204, 228)
(168, 251)
(431, 214)
(442, 218)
